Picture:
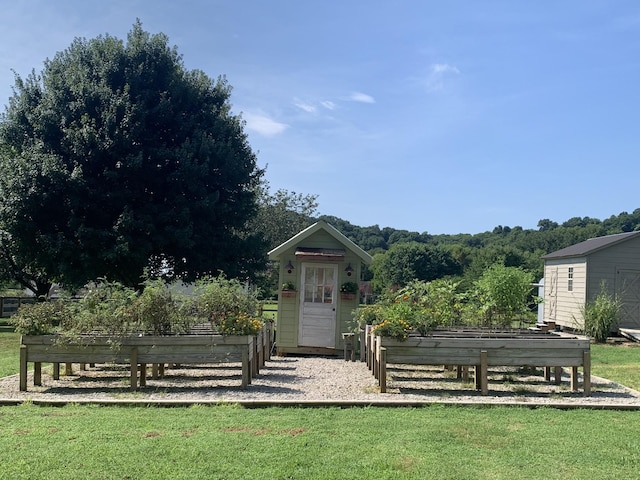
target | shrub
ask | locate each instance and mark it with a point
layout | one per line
(217, 298)
(502, 294)
(42, 318)
(601, 315)
(239, 324)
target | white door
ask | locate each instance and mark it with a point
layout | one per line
(318, 306)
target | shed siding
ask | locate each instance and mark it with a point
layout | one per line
(614, 266)
(561, 304)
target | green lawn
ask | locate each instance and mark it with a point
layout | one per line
(9, 350)
(226, 442)
(221, 442)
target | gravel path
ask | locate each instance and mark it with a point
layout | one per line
(314, 380)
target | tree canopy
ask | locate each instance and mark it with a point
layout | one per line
(115, 159)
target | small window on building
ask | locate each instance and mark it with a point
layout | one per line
(570, 280)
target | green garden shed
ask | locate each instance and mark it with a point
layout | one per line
(318, 269)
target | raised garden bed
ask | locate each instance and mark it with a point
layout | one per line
(482, 349)
(249, 351)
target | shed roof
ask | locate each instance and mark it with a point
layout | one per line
(591, 245)
(331, 230)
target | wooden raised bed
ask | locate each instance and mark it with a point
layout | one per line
(138, 351)
(482, 350)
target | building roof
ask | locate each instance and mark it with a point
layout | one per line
(591, 245)
(331, 230)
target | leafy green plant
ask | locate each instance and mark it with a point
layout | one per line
(367, 315)
(394, 328)
(601, 315)
(288, 286)
(349, 287)
(240, 324)
(42, 318)
(501, 294)
(156, 311)
(217, 298)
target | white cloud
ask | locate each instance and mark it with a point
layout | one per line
(264, 125)
(437, 74)
(328, 104)
(307, 107)
(362, 97)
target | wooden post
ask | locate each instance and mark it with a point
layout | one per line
(246, 368)
(37, 373)
(547, 374)
(574, 378)
(375, 362)
(558, 375)
(56, 371)
(484, 380)
(586, 372)
(161, 370)
(382, 373)
(68, 369)
(83, 366)
(143, 374)
(134, 369)
(23, 368)
(465, 373)
(154, 371)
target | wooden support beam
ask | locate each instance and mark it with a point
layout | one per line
(484, 379)
(246, 369)
(586, 372)
(134, 369)
(56, 371)
(23, 368)
(558, 375)
(143, 374)
(382, 374)
(37, 373)
(574, 378)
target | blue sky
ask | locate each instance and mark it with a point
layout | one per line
(440, 117)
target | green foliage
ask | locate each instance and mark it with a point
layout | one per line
(349, 287)
(419, 307)
(367, 315)
(42, 318)
(502, 294)
(288, 286)
(113, 309)
(601, 315)
(405, 262)
(239, 324)
(123, 160)
(156, 311)
(220, 299)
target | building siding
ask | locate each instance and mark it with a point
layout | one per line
(561, 304)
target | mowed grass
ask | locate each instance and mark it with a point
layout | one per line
(230, 442)
(222, 442)
(9, 350)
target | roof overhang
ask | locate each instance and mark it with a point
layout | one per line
(321, 254)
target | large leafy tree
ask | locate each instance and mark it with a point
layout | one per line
(116, 159)
(405, 262)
